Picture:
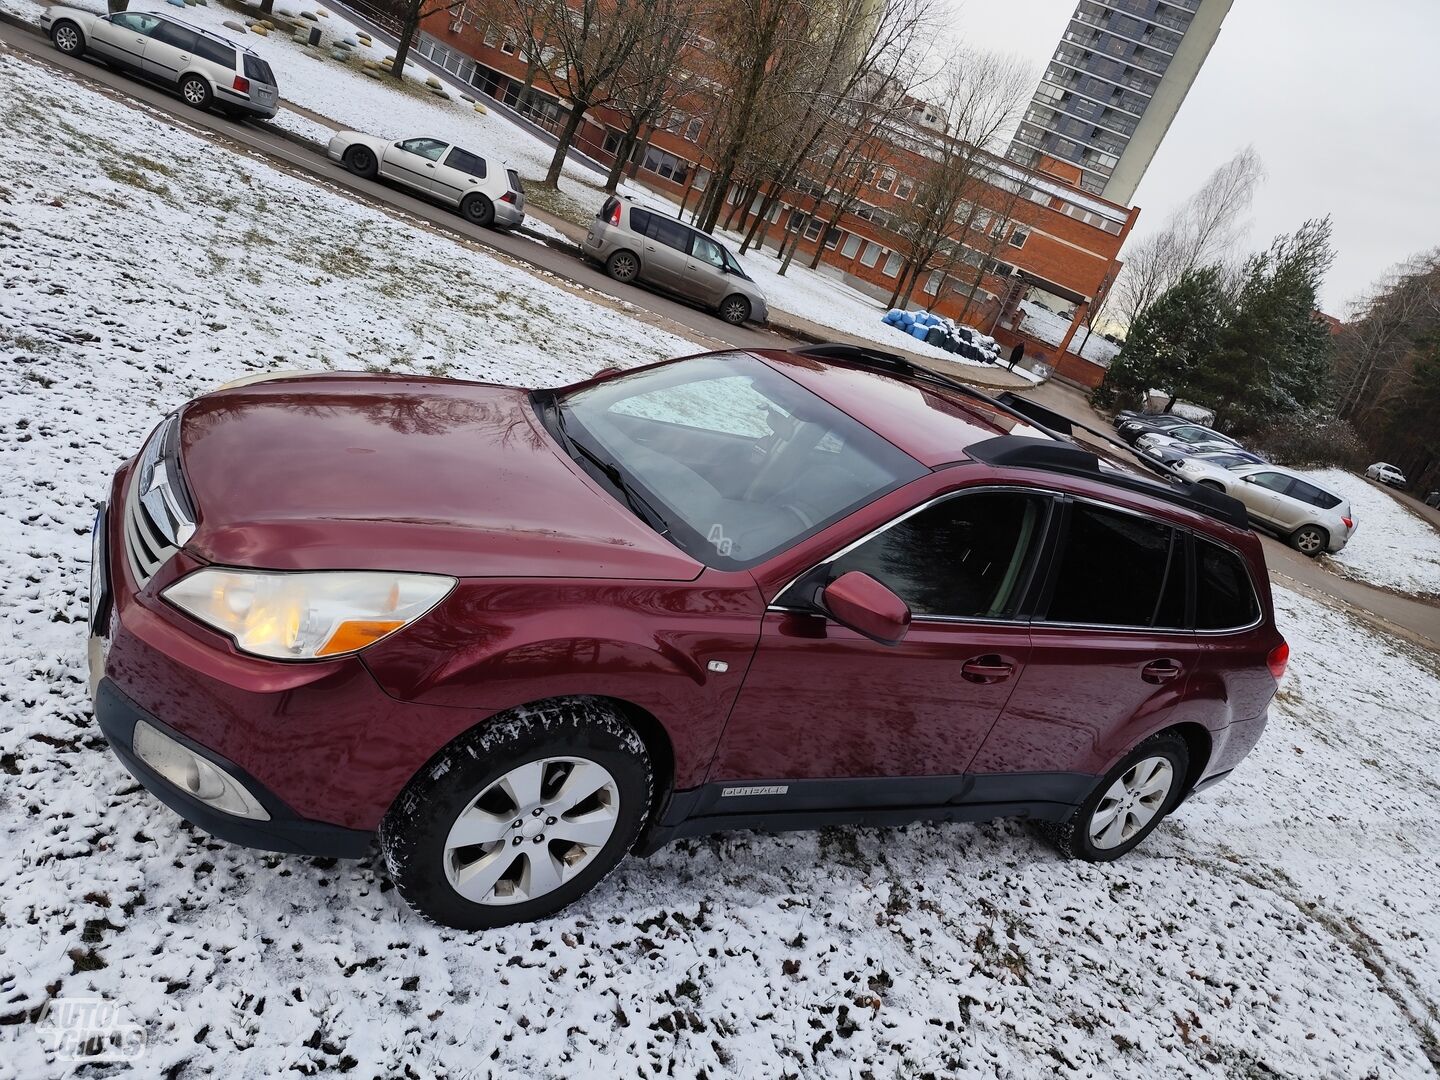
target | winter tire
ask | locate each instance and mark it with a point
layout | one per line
(68, 38)
(1310, 540)
(196, 91)
(478, 210)
(1127, 804)
(515, 820)
(360, 160)
(735, 310)
(623, 266)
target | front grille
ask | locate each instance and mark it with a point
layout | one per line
(146, 549)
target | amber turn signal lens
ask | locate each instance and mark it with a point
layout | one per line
(355, 634)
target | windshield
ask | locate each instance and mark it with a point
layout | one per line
(737, 461)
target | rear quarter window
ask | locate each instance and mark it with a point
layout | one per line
(1224, 594)
(259, 70)
(1314, 496)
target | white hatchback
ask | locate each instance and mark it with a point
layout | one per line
(484, 190)
(1309, 518)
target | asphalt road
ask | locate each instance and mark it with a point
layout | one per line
(261, 139)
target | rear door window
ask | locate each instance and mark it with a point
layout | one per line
(670, 233)
(216, 51)
(183, 39)
(1309, 493)
(640, 220)
(466, 162)
(1118, 569)
(1224, 595)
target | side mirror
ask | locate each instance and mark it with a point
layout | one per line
(857, 601)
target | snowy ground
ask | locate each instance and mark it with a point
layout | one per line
(344, 94)
(1049, 327)
(1393, 547)
(1283, 925)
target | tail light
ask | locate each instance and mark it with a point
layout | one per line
(241, 85)
(1349, 522)
(615, 215)
(509, 197)
(1278, 660)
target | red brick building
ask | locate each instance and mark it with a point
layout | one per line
(1031, 234)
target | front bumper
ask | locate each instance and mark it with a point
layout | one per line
(285, 831)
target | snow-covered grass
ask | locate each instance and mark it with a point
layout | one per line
(1050, 327)
(1393, 547)
(1283, 924)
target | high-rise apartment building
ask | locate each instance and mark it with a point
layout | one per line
(1114, 85)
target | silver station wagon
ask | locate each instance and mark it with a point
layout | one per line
(634, 244)
(207, 69)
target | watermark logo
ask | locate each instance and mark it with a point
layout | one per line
(722, 543)
(89, 1029)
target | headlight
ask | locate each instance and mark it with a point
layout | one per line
(302, 616)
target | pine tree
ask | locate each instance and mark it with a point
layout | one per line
(1174, 337)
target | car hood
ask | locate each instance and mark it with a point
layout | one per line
(356, 471)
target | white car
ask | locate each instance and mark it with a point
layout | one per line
(1190, 438)
(1386, 474)
(484, 190)
(206, 68)
(1309, 518)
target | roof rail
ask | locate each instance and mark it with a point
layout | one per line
(1023, 452)
(1062, 455)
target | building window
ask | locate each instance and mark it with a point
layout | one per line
(832, 237)
(692, 132)
(666, 165)
(981, 221)
(852, 245)
(612, 142)
(892, 264)
(998, 229)
(813, 226)
(702, 179)
(1018, 238)
(932, 284)
(885, 180)
(872, 254)
(492, 35)
(905, 188)
(509, 45)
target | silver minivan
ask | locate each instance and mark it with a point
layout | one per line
(635, 244)
(204, 67)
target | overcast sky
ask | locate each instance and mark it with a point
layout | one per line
(1338, 96)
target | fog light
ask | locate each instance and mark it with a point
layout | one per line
(193, 774)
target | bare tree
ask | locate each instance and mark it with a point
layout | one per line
(654, 79)
(593, 41)
(412, 14)
(983, 95)
(1202, 231)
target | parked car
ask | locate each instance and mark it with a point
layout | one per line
(206, 68)
(1144, 421)
(514, 635)
(1387, 474)
(635, 244)
(1172, 455)
(1433, 499)
(486, 191)
(1311, 519)
(1190, 437)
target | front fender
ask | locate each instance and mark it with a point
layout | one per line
(494, 646)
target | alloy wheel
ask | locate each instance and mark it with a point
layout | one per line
(193, 91)
(623, 266)
(1132, 802)
(531, 830)
(735, 310)
(1308, 541)
(67, 38)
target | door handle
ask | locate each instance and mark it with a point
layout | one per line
(430, 164)
(184, 56)
(986, 669)
(1160, 671)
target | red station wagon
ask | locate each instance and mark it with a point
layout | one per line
(514, 635)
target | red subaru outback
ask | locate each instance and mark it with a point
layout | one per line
(516, 635)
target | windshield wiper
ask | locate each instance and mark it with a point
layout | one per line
(608, 469)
